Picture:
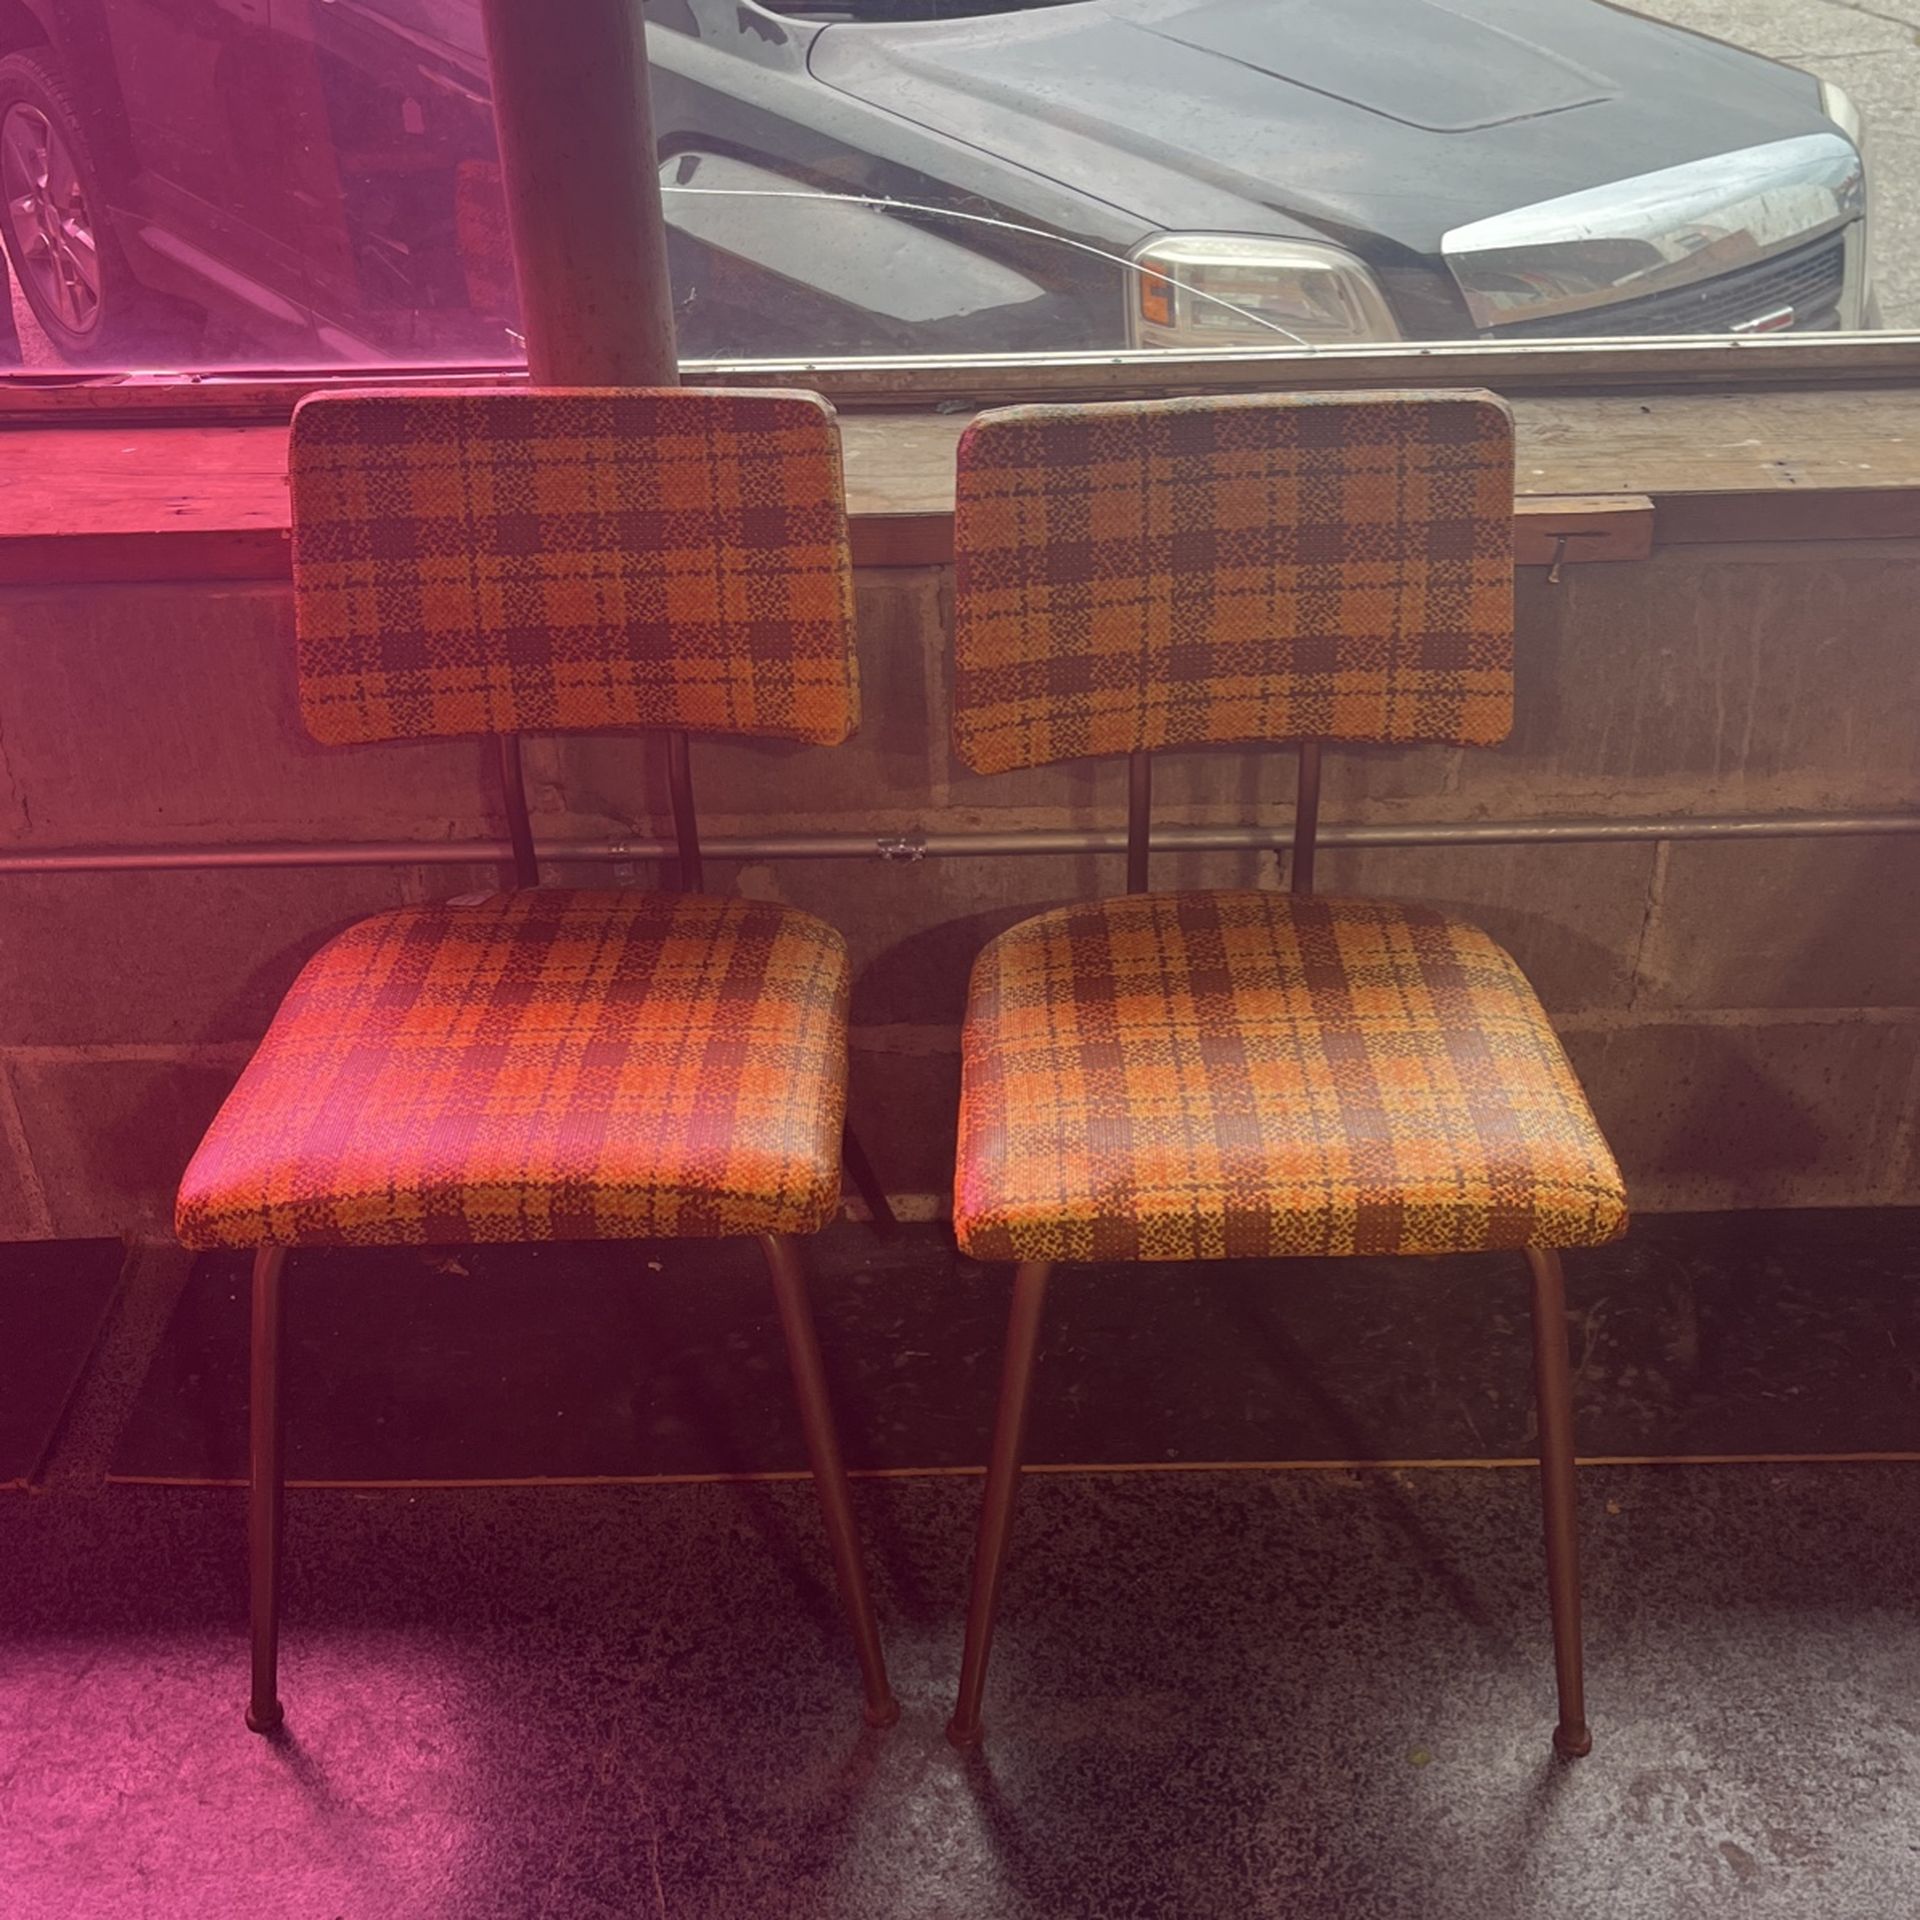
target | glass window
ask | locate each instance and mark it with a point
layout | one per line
(296, 183)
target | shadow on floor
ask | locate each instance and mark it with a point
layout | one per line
(54, 1299)
(1701, 1334)
(1289, 1694)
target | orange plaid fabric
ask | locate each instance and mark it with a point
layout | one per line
(543, 1066)
(1196, 1076)
(491, 562)
(1183, 572)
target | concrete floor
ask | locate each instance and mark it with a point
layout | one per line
(1216, 1693)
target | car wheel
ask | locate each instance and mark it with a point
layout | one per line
(53, 221)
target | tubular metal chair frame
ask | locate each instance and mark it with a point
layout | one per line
(474, 563)
(1553, 1382)
(266, 1427)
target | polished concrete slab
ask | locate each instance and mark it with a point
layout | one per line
(1216, 1693)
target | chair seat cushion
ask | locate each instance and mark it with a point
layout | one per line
(1200, 1075)
(540, 1066)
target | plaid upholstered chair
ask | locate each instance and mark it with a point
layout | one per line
(1220, 1075)
(556, 1064)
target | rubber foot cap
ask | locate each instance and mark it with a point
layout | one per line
(269, 1722)
(1572, 1743)
(965, 1738)
(881, 1716)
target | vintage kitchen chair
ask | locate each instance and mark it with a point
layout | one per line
(556, 1064)
(1221, 1075)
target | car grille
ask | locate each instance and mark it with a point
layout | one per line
(1809, 280)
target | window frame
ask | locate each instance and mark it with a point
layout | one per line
(244, 395)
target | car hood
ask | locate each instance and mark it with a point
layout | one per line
(1422, 65)
(1390, 119)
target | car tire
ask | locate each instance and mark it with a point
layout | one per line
(63, 252)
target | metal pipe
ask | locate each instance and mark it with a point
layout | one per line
(513, 794)
(1139, 819)
(1306, 820)
(913, 845)
(582, 185)
(686, 823)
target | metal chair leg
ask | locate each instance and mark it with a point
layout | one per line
(1003, 1486)
(829, 1471)
(1553, 1385)
(267, 1483)
(866, 1183)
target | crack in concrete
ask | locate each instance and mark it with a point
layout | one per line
(1871, 13)
(1906, 1141)
(10, 783)
(14, 1141)
(1656, 894)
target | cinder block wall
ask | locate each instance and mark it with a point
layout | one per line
(1746, 1015)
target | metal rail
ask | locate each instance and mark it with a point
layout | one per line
(913, 845)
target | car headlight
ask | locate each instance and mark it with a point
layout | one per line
(1837, 104)
(1233, 290)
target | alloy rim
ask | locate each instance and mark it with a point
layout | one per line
(50, 222)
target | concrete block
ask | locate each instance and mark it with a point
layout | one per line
(1256, 786)
(905, 1107)
(1711, 680)
(1074, 793)
(23, 1212)
(92, 958)
(110, 1137)
(1904, 1185)
(1706, 680)
(1700, 681)
(1777, 1114)
(1570, 915)
(1249, 785)
(167, 712)
(1786, 923)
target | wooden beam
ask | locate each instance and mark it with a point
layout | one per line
(114, 502)
(1550, 531)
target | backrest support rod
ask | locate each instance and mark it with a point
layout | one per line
(1139, 818)
(513, 790)
(686, 829)
(1306, 819)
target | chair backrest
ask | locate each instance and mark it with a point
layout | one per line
(511, 560)
(1177, 573)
